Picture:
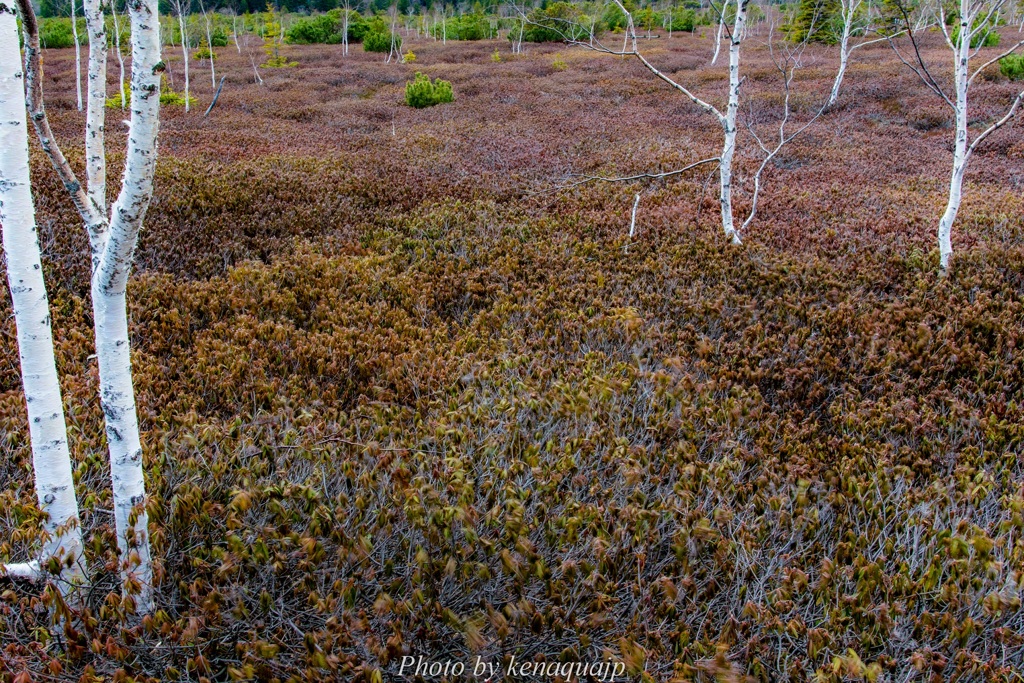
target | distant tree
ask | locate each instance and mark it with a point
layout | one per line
(209, 49)
(78, 54)
(181, 10)
(816, 21)
(972, 18)
(120, 53)
(856, 18)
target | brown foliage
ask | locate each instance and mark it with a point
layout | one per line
(395, 401)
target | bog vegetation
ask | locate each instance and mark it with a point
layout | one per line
(403, 390)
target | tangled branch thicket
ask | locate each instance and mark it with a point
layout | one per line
(397, 399)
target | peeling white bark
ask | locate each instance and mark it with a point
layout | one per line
(51, 457)
(95, 155)
(344, 29)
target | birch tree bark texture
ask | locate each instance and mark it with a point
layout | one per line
(51, 458)
(729, 120)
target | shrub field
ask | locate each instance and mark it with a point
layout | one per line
(401, 395)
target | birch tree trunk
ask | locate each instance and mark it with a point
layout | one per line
(848, 8)
(729, 123)
(110, 281)
(960, 150)
(78, 55)
(344, 32)
(184, 48)
(718, 36)
(51, 458)
(120, 55)
(95, 154)
(209, 48)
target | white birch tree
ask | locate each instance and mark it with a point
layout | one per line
(120, 53)
(733, 14)
(78, 54)
(95, 132)
(112, 239)
(721, 25)
(61, 554)
(346, 10)
(856, 18)
(181, 8)
(974, 18)
(234, 31)
(209, 45)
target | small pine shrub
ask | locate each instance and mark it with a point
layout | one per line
(1012, 66)
(55, 32)
(205, 53)
(279, 62)
(409, 57)
(317, 29)
(987, 38)
(381, 41)
(422, 92)
(684, 20)
(496, 57)
(168, 97)
(559, 64)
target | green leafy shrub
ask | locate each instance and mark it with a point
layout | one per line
(205, 53)
(422, 92)
(1012, 66)
(358, 26)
